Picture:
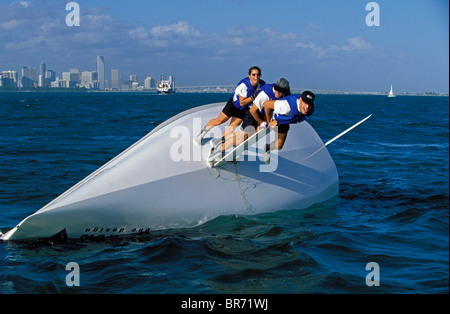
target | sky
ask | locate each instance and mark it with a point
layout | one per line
(320, 45)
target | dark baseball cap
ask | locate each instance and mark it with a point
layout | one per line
(282, 85)
(308, 97)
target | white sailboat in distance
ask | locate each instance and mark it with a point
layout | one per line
(391, 92)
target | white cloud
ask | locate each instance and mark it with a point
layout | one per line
(27, 44)
(354, 44)
(177, 36)
(10, 25)
(182, 28)
(25, 4)
(313, 48)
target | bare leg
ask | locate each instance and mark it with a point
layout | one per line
(221, 119)
(235, 122)
(234, 139)
(281, 135)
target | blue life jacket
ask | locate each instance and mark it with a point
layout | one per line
(268, 89)
(250, 91)
(295, 116)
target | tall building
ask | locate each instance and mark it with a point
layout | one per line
(75, 76)
(42, 69)
(29, 77)
(65, 81)
(71, 79)
(101, 72)
(94, 76)
(126, 85)
(66, 76)
(86, 77)
(41, 81)
(50, 76)
(114, 79)
(89, 79)
(149, 82)
(8, 79)
(41, 76)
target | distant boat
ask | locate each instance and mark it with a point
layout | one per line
(391, 92)
(166, 86)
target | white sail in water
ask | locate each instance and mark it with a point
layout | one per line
(146, 188)
(391, 92)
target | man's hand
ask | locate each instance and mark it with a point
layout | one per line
(273, 123)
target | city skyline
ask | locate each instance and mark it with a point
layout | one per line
(30, 77)
(90, 80)
(324, 45)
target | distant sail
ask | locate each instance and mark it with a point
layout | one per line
(391, 92)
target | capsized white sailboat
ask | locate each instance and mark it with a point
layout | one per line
(391, 92)
(163, 182)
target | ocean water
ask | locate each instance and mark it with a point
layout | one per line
(392, 210)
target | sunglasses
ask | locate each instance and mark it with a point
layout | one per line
(256, 74)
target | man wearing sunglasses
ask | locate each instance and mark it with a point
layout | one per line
(245, 92)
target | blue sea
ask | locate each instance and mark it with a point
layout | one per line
(387, 232)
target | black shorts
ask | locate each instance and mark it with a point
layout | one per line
(283, 128)
(231, 111)
(248, 121)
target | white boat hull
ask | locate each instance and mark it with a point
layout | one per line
(145, 188)
(166, 91)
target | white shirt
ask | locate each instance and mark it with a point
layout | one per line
(241, 90)
(260, 100)
(282, 107)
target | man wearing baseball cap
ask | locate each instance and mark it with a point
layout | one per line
(283, 112)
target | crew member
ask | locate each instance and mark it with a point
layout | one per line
(245, 92)
(288, 110)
